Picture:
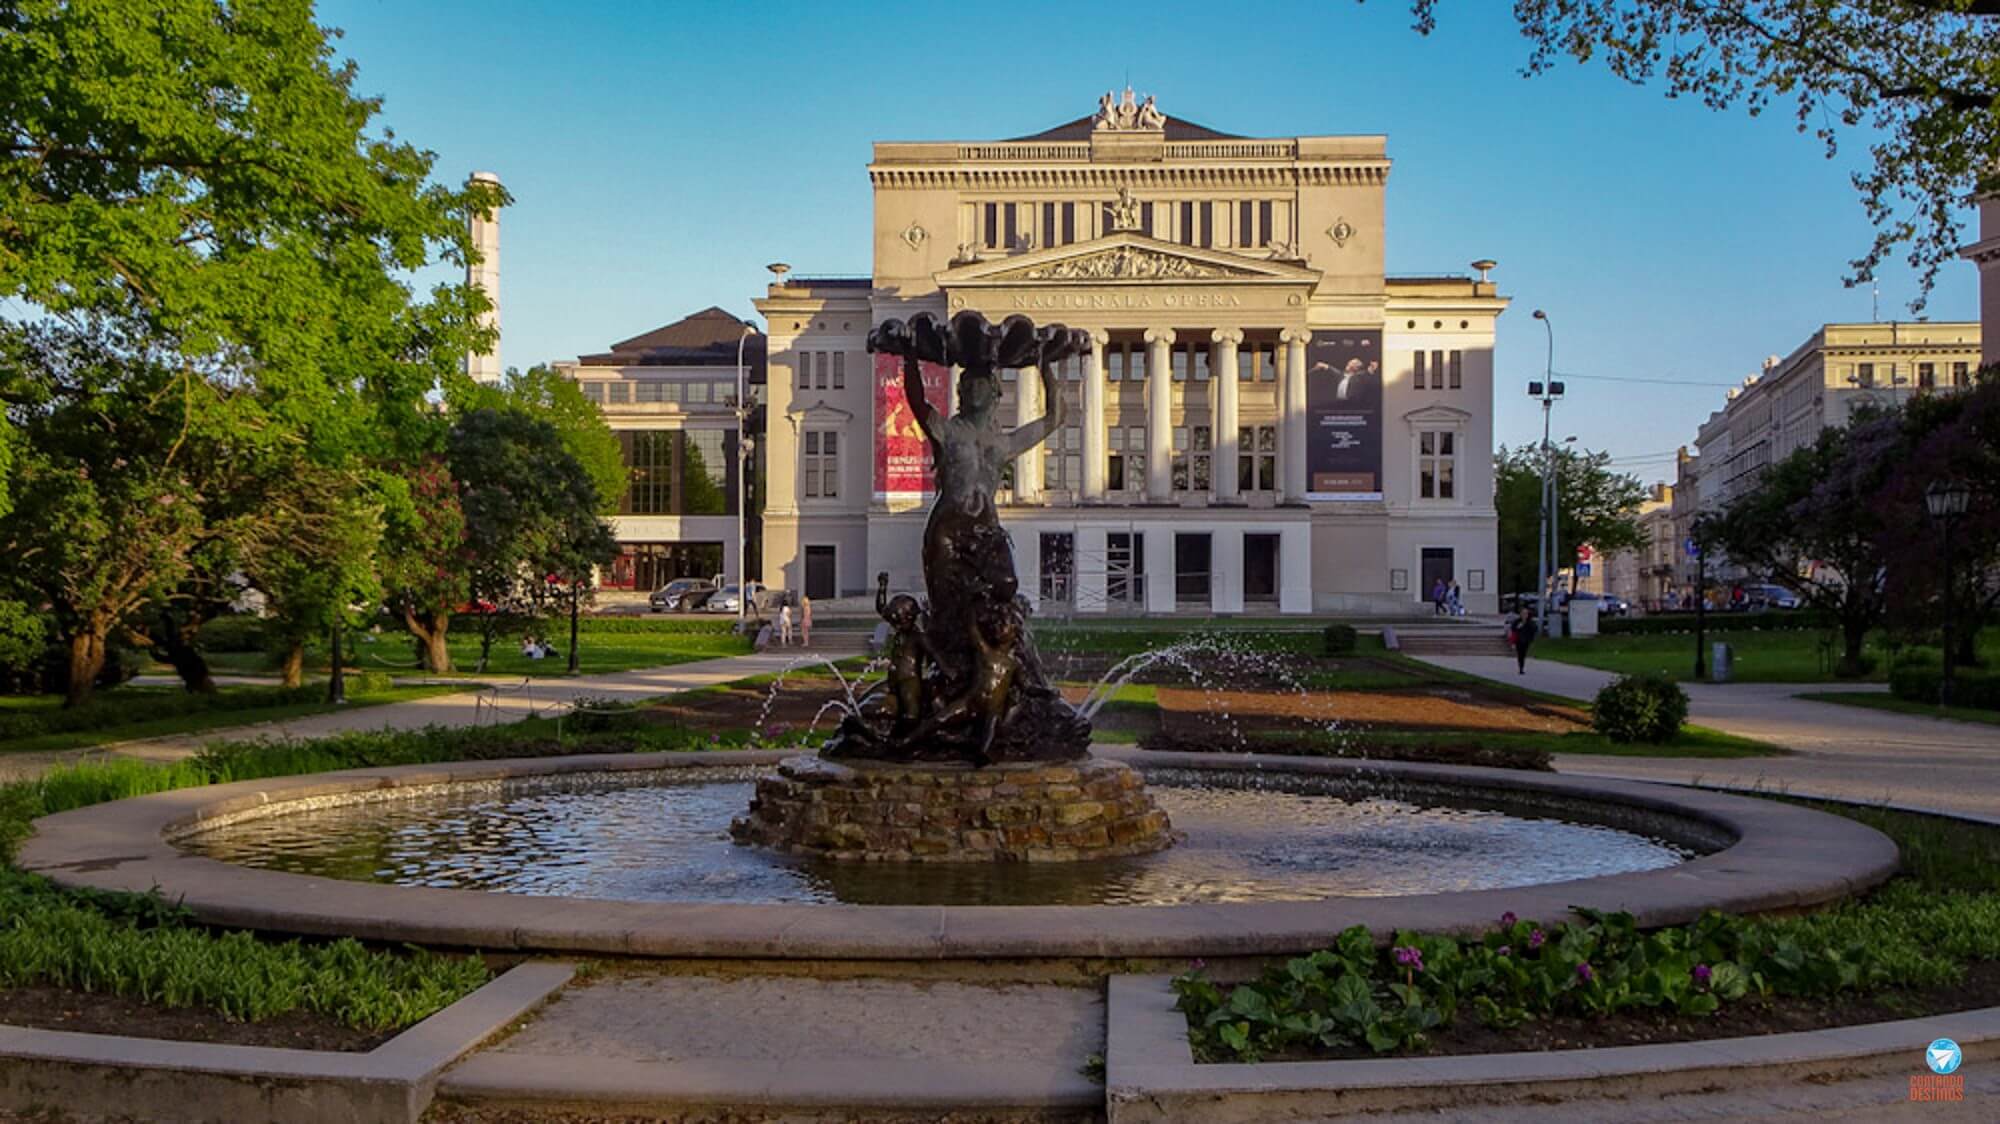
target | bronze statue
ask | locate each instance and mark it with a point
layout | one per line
(998, 706)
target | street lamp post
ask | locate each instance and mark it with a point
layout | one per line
(742, 480)
(1548, 391)
(1947, 501)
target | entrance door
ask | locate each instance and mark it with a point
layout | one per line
(819, 572)
(1437, 566)
(1124, 570)
(1191, 569)
(1260, 568)
(1058, 567)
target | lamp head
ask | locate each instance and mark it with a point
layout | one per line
(1540, 315)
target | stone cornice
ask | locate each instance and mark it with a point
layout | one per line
(1984, 251)
(1110, 177)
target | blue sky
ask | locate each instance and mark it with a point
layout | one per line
(661, 154)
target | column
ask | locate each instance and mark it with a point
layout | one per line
(1094, 451)
(1222, 371)
(1159, 415)
(1027, 407)
(1160, 596)
(1294, 402)
(1225, 569)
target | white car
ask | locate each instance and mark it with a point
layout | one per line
(730, 597)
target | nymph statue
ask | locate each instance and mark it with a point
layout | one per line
(985, 698)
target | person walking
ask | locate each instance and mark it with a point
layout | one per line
(1454, 602)
(806, 621)
(1437, 597)
(785, 624)
(1521, 632)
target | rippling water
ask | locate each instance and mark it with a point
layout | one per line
(670, 842)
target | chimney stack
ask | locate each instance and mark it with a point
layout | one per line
(484, 367)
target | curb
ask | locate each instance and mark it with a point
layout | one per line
(106, 1075)
(1151, 1074)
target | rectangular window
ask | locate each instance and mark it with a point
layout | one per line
(646, 391)
(1048, 225)
(697, 393)
(1180, 357)
(1068, 223)
(822, 368)
(822, 464)
(619, 393)
(1013, 229)
(1926, 375)
(1200, 361)
(1437, 464)
(649, 468)
(705, 472)
(1437, 370)
(1146, 219)
(593, 391)
(1135, 363)
(1420, 371)
(840, 370)
(1186, 231)
(1264, 223)
(1208, 224)
(1267, 362)
(1961, 374)
(992, 226)
(1246, 229)
(1864, 374)
(1062, 466)
(1257, 458)
(1114, 362)
(804, 367)
(1458, 370)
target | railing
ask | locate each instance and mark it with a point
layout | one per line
(1232, 150)
(1019, 150)
(488, 702)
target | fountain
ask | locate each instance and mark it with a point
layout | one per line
(965, 752)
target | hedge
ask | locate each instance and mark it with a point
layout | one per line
(1920, 679)
(558, 625)
(1769, 620)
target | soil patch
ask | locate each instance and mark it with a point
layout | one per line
(54, 1008)
(1436, 708)
(799, 701)
(1447, 750)
(1980, 988)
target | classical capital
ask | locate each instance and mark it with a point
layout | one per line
(1098, 338)
(1295, 335)
(1230, 336)
(1160, 335)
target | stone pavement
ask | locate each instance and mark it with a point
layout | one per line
(508, 700)
(1846, 752)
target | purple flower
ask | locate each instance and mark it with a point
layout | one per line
(1585, 973)
(1411, 958)
(1197, 964)
(1536, 937)
(1504, 950)
(714, 739)
(1508, 918)
(1701, 974)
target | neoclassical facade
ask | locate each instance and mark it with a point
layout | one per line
(1266, 423)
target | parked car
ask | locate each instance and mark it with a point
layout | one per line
(729, 598)
(1770, 597)
(1515, 602)
(680, 596)
(1608, 605)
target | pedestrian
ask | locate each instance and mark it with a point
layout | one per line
(1520, 634)
(1454, 601)
(806, 621)
(785, 624)
(1437, 597)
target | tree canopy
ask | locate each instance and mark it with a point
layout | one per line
(1923, 74)
(1597, 506)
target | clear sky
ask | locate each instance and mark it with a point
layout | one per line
(661, 154)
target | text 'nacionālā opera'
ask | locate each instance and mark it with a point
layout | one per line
(1265, 421)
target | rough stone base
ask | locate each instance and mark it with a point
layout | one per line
(862, 811)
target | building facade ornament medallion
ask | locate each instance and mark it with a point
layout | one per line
(914, 236)
(1127, 114)
(1128, 263)
(1340, 232)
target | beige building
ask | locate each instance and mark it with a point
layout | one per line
(1645, 575)
(1985, 254)
(670, 396)
(1266, 422)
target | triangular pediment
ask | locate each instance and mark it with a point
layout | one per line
(1437, 413)
(1122, 258)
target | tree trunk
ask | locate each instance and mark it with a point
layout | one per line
(1853, 639)
(86, 660)
(177, 642)
(430, 630)
(294, 667)
(437, 654)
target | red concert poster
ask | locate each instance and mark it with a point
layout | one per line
(902, 456)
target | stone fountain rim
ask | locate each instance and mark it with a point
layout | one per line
(1784, 857)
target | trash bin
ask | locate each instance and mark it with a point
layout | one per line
(1721, 662)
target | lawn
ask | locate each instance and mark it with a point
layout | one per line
(127, 713)
(1905, 706)
(607, 644)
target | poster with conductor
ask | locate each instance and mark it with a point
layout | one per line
(1344, 414)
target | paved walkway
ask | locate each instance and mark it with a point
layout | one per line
(508, 702)
(1840, 751)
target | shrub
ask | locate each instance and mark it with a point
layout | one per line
(370, 682)
(1640, 708)
(1340, 639)
(1772, 620)
(1919, 677)
(591, 715)
(240, 632)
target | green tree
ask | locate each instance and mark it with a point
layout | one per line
(425, 565)
(1809, 525)
(320, 564)
(543, 392)
(1923, 74)
(1597, 506)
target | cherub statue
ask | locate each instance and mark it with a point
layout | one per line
(908, 653)
(986, 697)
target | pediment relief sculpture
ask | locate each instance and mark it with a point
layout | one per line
(1128, 263)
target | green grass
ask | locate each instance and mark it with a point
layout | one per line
(1693, 741)
(221, 717)
(1874, 701)
(606, 645)
(1762, 656)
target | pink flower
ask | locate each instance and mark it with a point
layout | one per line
(1411, 958)
(1701, 974)
(1585, 973)
(1536, 938)
(1508, 918)
(1504, 950)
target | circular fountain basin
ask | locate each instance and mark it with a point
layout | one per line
(630, 854)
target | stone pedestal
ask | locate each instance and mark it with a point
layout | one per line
(860, 811)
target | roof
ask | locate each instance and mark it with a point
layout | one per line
(707, 338)
(1177, 130)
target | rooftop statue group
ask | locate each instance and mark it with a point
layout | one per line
(964, 680)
